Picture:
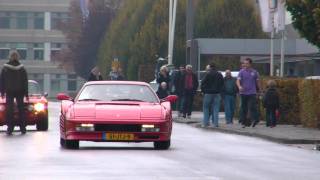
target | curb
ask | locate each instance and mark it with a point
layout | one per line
(197, 124)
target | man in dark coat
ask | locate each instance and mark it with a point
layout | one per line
(178, 83)
(14, 85)
(190, 85)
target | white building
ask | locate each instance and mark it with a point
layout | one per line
(32, 28)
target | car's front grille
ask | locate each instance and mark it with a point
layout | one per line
(117, 127)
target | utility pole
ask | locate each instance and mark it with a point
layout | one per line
(172, 22)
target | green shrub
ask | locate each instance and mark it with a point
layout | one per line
(309, 103)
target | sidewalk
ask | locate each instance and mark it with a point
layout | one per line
(287, 134)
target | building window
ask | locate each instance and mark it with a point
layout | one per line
(58, 19)
(72, 82)
(22, 20)
(4, 22)
(38, 54)
(55, 85)
(4, 53)
(38, 23)
(22, 53)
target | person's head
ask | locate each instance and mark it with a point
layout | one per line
(188, 68)
(163, 85)
(247, 63)
(95, 70)
(164, 70)
(14, 56)
(181, 68)
(228, 73)
(208, 67)
(212, 65)
(271, 84)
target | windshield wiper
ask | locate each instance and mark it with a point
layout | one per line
(138, 100)
(88, 99)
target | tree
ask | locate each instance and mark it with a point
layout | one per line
(84, 36)
(306, 18)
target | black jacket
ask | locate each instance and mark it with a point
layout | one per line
(162, 93)
(212, 83)
(271, 99)
(14, 79)
(161, 79)
(93, 77)
(178, 83)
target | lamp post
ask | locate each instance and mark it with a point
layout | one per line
(272, 8)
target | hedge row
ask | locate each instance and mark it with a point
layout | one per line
(299, 101)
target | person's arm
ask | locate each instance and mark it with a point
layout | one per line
(2, 88)
(258, 82)
(25, 80)
(239, 85)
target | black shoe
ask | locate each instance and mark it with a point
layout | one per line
(255, 123)
(23, 130)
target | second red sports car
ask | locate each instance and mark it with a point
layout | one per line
(115, 111)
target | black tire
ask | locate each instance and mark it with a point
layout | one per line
(43, 124)
(161, 145)
(71, 144)
(62, 142)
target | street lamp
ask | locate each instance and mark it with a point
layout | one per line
(272, 8)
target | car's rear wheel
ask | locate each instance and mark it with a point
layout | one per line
(161, 144)
(43, 124)
(71, 144)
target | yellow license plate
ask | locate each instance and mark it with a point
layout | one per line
(119, 136)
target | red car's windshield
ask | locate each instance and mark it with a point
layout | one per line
(116, 92)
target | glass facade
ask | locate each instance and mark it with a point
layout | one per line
(21, 20)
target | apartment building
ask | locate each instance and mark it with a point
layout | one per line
(33, 28)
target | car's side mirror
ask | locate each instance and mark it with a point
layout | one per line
(62, 96)
(171, 98)
(45, 94)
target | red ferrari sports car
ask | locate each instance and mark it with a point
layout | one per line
(115, 111)
(36, 108)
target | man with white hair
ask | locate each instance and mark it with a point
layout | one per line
(14, 85)
(190, 85)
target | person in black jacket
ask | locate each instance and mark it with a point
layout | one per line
(163, 90)
(271, 103)
(95, 75)
(14, 85)
(211, 87)
(189, 87)
(163, 76)
(179, 89)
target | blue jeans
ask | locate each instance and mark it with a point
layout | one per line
(229, 107)
(211, 105)
(271, 116)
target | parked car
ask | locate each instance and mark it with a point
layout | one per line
(36, 108)
(115, 111)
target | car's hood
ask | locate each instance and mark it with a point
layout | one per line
(117, 111)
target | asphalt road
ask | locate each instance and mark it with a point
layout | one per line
(195, 154)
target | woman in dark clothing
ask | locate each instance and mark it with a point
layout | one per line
(95, 75)
(163, 76)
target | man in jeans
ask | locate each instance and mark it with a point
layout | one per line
(248, 85)
(189, 89)
(230, 93)
(211, 86)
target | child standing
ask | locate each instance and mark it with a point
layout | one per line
(271, 103)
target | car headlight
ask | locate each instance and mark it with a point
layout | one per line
(149, 128)
(85, 127)
(39, 107)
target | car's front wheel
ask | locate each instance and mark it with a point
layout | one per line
(43, 124)
(71, 144)
(163, 145)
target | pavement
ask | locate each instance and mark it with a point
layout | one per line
(287, 134)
